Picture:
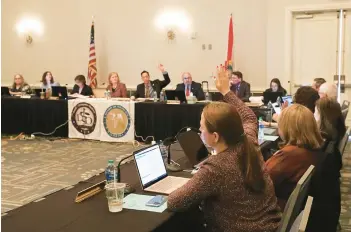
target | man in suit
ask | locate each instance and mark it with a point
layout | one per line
(190, 86)
(240, 87)
(152, 89)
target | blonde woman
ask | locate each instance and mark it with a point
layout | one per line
(115, 86)
(19, 86)
(302, 148)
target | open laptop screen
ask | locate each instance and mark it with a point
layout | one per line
(288, 99)
(150, 165)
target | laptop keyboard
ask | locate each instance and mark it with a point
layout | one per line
(168, 184)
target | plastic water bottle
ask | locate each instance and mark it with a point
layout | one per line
(110, 172)
(162, 96)
(260, 129)
(207, 96)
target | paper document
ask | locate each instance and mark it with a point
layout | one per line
(138, 201)
(270, 138)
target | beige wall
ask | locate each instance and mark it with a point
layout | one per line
(128, 42)
(276, 25)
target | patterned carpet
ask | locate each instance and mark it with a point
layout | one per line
(31, 170)
(345, 217)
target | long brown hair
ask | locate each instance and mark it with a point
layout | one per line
(43, 78)
(298, 127)
(331, 122)
(223, 118)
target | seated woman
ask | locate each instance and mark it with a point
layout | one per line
(48, 80)
(81, 87)
(302, 142)
(116, 88)
(275, 86)
(19, 86)
(233, 188)
(326, 194)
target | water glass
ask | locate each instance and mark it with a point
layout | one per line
(115, 195)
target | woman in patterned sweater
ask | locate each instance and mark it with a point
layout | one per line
(235, 191)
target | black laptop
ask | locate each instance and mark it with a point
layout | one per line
(271, 97)
(38, 91)
(5, 91)
(193, 147)
(176, 95)
(59, 91)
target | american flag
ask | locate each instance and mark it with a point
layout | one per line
(92, 71)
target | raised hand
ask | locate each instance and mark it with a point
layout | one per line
(222, 80)
(161, 67)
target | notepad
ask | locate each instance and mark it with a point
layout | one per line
(138, 201)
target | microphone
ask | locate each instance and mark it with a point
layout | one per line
(128, 189)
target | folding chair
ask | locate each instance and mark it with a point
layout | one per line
(296, 201)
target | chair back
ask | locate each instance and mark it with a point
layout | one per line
(99, 93)
(300, 223)
(296, 201)
(344, 113)
(344, 140)
(345, 105)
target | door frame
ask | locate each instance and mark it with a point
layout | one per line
(289, 15)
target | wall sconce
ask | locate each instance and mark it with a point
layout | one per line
(171, 34)
(174, 19)
(27, 27)
(29, 39)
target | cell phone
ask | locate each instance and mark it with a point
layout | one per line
(156, 201)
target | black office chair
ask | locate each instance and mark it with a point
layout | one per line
(344, 140)
(296, 201)
(344, 113)
(300, 223)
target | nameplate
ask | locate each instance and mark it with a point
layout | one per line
(173, 102)
(53, 98)
(89, 192)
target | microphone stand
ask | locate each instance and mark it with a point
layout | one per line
(128, 189)
(170, 165)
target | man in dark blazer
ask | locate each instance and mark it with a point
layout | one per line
(190, 86)
(240, 87)
(152, 89)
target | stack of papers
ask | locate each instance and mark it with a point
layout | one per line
(138, 202)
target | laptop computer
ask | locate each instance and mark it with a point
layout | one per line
(38, 91)
(176, 95)
(271, 96)
(152, 172)
(5, 91)
(193, 147)
(289, 99)
(59, 91)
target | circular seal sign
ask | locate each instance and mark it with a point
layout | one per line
(116, 121)
(83, 118)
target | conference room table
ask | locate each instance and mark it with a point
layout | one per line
(156, 119)
(58, 212)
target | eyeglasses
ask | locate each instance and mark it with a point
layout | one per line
(186, 78)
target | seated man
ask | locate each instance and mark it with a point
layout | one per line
(317, 82)
(240, 87)
(190, 86)
(152, 89)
